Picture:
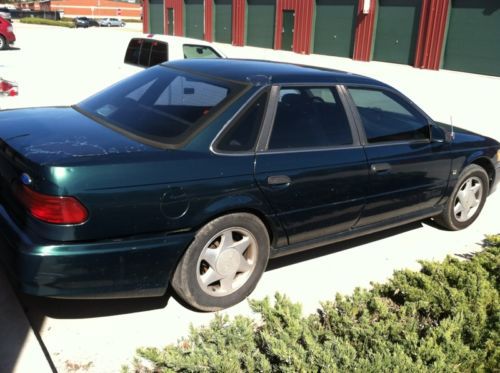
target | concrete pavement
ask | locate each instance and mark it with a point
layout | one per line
(20, 350)
(99, 336)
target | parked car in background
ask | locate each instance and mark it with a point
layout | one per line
(7, 36)
(195, 172)
(8, 88)
(111, 22)
(5, 14)
(81, 22)
(149, 50)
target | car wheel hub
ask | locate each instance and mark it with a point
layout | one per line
(227, 262)
(468, 199)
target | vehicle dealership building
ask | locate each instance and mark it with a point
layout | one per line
(462, 35)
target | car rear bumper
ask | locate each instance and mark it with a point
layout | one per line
(120, 268)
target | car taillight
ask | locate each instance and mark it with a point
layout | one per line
(52, 209)
(8, 88)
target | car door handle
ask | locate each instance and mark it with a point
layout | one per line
(380, 167)
(279, 180)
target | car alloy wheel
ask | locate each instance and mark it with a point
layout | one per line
(223, 264)
(227, 261)
(468, 199)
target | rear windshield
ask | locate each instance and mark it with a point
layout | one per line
(161, 105)
(146, 52)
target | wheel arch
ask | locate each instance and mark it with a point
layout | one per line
(485, 164)
(250, 203)
(274, 230)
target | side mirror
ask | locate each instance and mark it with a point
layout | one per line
(440, 135)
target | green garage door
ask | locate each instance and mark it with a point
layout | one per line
(473, 42)
(397, 31)
(334, 27)
(156, 17)
(260, 23)
(193, 21)
(223, 20)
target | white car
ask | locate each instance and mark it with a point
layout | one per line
(148, 50)
(108, 22)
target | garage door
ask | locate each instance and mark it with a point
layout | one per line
(223, 20)
(193, 21)
(334, 27)
(156, 17)
(260, 23)
(473, 41)
(397, 31)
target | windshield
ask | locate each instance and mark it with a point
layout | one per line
(160, 105)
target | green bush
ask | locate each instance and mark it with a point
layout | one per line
(445, 318)
(48, 22)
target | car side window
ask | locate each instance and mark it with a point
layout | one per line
(309, 117)
(146, 53)
(388, 117)
(242, 134)
(199, 51)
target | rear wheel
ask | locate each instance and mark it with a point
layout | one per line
(224, 262)
(3, 43)
(467, 199)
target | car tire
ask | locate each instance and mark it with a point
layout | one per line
(467, 199)
(3, 43)
(224, 262)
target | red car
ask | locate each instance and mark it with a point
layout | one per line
(7, 36)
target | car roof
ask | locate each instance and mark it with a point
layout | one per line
(173, 39)
(268, 72)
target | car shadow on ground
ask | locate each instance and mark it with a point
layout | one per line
(339, 246)
(38, 308)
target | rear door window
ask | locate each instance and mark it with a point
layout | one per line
(146, 52)
(309, 117)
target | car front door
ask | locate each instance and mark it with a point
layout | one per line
(310, 164)
(408, 172)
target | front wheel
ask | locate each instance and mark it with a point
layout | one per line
(467, 200)
(223, 264)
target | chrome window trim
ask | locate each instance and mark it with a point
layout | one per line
(359, 121)
(263, 147)
(213, 146)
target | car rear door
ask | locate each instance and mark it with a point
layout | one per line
(309, 162)
(408, 172)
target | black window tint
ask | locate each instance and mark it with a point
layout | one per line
(146, 53)
(242, 135)
(310, 117)
(160, 104)
(199, 51)
(133, 51)
(158, 53)
(147, 45)
(388, 117)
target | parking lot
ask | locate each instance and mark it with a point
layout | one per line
(60, 66)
